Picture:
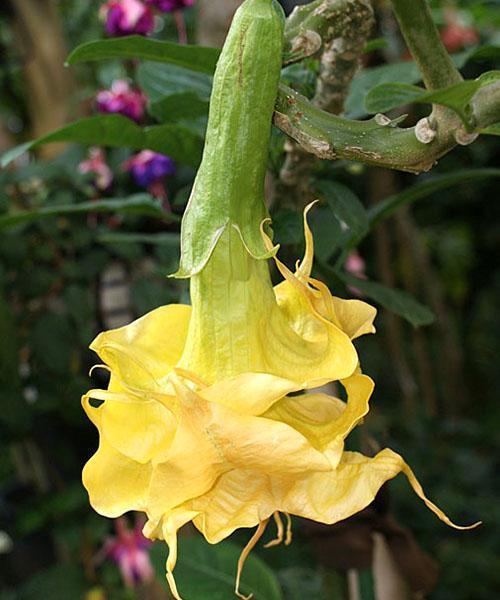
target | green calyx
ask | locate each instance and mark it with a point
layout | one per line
(228, 191)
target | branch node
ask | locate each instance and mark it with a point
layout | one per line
(307, 43)
(382, 120)
(424, 132)
(464, 138)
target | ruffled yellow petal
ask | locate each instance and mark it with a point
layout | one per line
(249, 393)
(244, 498)
(143, 353)
(141, 430)
(240, 498)
(353, 317)
(115, 484)
(351, 487)
(193, 463)
(212, 439)
(326, 421)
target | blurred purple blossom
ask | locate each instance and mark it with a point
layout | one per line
(170, 5)
(96, 163)
(129, 549)
(355, 265)
(149, 167)
(122, 99)
(126, 17)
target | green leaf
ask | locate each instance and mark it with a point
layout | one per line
(397, 301)
(366, 79)
(346, 207)
(160, 239)
(375, 44)
(177, 141)
(175, 107)
(387, 207)
(139, 204)
(208, 571)
(159, 80)
(196, 58)
(54, 583)
(492, 129)
(401, 72)
(457, 96)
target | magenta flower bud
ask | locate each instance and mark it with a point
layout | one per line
(149, 167)
(170, 5)
(96, 164)
(127, 17)
(122, 99)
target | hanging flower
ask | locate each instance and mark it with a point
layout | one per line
(205, 419)
(96, 164)
(127, 17)
(129, 549)
(183, 445)
(170, 5)
(122, 99)
(147, 167)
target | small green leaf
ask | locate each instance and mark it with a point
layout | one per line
(375, 44)
(180, 143)
(208, 571)
(196, 58)
(457, 96)
(397, 301)
(345, 205)
(387, 207)
(492, 129)
(139, 204)
(401, 72)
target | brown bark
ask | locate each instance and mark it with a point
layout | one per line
(49, 85)
(215, 17)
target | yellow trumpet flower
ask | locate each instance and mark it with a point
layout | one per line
(188, 435)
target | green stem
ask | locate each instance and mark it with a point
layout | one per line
(316, 24)
(373, 142)
(423, 40)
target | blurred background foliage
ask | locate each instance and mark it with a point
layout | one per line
(75, 259)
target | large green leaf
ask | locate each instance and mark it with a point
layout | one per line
(179, 142)
(158, 80)
(139, 204)
(55, 583)
(387, 207)
(176, 107)
(205, 571)
(158, 239)
(457, 96)
(397, 301)
(196, 58)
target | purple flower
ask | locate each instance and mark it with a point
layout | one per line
(96, 163)
(126, 17)
(129, 549)
(122, 99)
(149, 167)
(170, 5)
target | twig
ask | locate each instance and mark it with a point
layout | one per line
(377, 141)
